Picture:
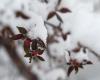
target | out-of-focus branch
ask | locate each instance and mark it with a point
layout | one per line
(23, 69)
(92, 51)
(50, 24)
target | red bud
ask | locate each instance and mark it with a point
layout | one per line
(34, 53)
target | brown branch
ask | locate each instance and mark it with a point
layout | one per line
(50, 24)
(17, 60)
(12, 53)
(92, 51)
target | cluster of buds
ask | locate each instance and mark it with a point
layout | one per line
(75, 65)
(33, 48)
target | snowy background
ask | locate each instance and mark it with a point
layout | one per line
(83, 23)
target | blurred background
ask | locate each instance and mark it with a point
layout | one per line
(13, 64)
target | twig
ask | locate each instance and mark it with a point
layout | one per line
(17, 60)
(11, 49)
(92, 51)
(50, 24)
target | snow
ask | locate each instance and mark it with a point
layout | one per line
(8, 70)
(83, 23)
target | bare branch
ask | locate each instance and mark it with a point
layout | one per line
(11, 49)
(92, 51)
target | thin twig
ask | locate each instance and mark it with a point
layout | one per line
(13, 54)
(92, 51)
(50, 24)
(17, 60)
